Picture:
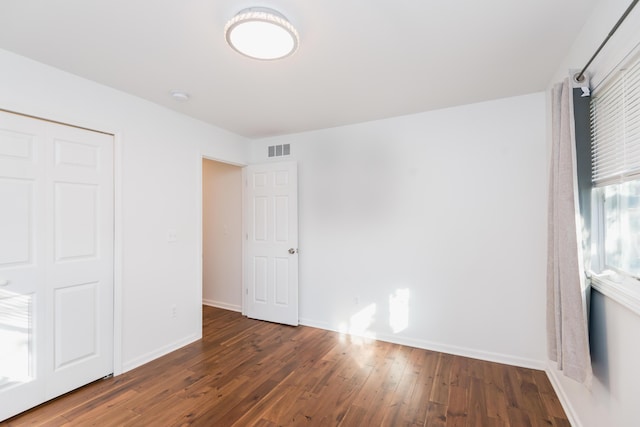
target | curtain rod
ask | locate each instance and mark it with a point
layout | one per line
(580, 76)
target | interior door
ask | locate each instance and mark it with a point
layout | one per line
(79, 257)
(22, 177)
(271, 255)
(56, 260)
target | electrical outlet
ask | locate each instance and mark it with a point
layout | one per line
(174, 311)
(172, 235)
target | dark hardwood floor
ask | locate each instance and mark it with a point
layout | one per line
(251, 373)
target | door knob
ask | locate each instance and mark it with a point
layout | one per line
(292, 251)
(4, 282)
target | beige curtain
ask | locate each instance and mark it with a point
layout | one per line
(567, 330)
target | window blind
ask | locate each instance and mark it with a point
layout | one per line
(615, 128)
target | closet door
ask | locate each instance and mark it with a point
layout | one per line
(56, 260)
(22, 261)
(79, 257)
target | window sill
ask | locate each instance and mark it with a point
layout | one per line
(625, 293)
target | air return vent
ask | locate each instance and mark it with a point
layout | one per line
(279, 150)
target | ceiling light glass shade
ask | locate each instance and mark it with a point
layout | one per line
(180, 95)
(261, 33)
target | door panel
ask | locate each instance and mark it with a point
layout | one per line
(16, 222)
(260, 279)
(22, 260)
(80, 266)
(76, 323)
(19, 145)
(20, 368)
(282, 281)
(16, 334)
(16, 301)
(281, 220)
(271, 271)
(76, 221)
(69, 153)
(56, 260)
(260, 219)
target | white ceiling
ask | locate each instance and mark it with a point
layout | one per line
(359, 60)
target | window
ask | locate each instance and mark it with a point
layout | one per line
(621, 209)
(615, 135)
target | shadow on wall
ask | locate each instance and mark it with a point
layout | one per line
(598, 339)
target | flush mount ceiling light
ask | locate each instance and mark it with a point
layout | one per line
(179, 95)
(261, 33)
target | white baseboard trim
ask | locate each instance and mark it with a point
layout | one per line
(152, 355)
(445, 348)
(411, 342)
(467, 352)
(224, 305)
(552, 373)
(315, 324)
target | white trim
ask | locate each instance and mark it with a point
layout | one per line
(118, 236)
(223, 305)
(572, 414)
(244, 286)
(443, 348)
(155, 354)
(200, 235)
(219, 160)
(315, 324)
(623, 293)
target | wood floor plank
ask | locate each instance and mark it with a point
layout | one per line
(354, 417)
(495, 395)
(436, 415)
(441, 382)
(251, 373)
(269, 408)
(457, 406)
(397, 413)
(426, 367)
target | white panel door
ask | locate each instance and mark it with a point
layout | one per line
(79, 248)
(56, 260)
(271, 257)
(22, 260)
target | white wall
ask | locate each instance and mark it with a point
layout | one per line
(613, 397)
(449, 205)
(222, 235)
(160, 163)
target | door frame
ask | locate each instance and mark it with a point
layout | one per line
(117, 217)
(206, 156)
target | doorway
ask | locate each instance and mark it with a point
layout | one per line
(221, 235)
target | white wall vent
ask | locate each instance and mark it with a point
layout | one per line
(279, 150)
